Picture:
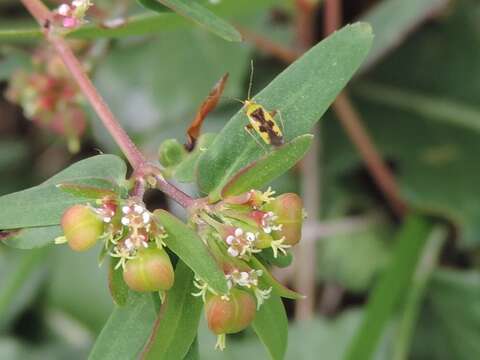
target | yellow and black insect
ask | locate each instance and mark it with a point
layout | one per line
(261, 120)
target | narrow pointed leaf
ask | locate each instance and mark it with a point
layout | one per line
(185, 242)
(127, 330)
(267, 168)
(277, 287)
(117, 286)
(199, 14)
(177, 323)
(391, 287)
(302, 93)
(271, 326)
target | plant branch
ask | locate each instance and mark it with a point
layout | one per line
(44, 17)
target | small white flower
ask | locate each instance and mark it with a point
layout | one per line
(269, 223)
(262, 295)
(125, 221)
(126, 209)
(241, 243)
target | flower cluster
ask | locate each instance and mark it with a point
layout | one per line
(236, 230)
(49, 98)
(73, 15)
(131, 236)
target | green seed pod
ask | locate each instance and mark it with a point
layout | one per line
(289, 210)
(230, 316)
(150, 270)
(82, 227)
(171, 153)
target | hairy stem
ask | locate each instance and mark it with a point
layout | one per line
(44, 17)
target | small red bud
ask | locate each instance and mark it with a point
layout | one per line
(232, 315)
(82, 227)
(289, 209)
(150, 270)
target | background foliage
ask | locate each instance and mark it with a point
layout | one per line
(418, 95)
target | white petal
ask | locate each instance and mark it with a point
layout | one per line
(63, 9)
(233, 252)
(125, 221)
(146, 217)
(126, 209)
(138, 209)
(230, 239)
(238, 232)
(107, 219)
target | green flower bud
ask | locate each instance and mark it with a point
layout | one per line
(171, 153)
(289, 211)
(232, 315)
(150, 270)
(82, 227)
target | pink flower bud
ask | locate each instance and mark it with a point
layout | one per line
(150, 270)
(82, 227)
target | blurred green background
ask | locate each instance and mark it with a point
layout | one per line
(418, 95)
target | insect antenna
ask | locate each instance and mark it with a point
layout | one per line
(249, 93)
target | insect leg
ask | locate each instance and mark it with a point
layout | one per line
(249, 128)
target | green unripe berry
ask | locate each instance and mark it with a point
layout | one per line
(289, 209)
(232, 315)
(150, 270)
(82, 227)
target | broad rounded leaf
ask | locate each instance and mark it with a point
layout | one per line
(44, 204)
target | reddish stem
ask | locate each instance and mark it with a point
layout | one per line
(44, 17)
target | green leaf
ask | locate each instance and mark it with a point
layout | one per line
(33, 237)
(185, 242)
(415, 296)
(127, 329)
(450, 318)
(200, 15)
(392, 20)
(118, 288)
(302, 93)
(393, 283)
(271, 326)
(44, 204)
(194, 352)
(177, 323)
(86, 191)
(265, 169)
(153, 5)
(21, 276)
(269, 280)
(187, 169)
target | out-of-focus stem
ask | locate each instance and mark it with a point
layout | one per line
(382, 176)
(305, 258)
